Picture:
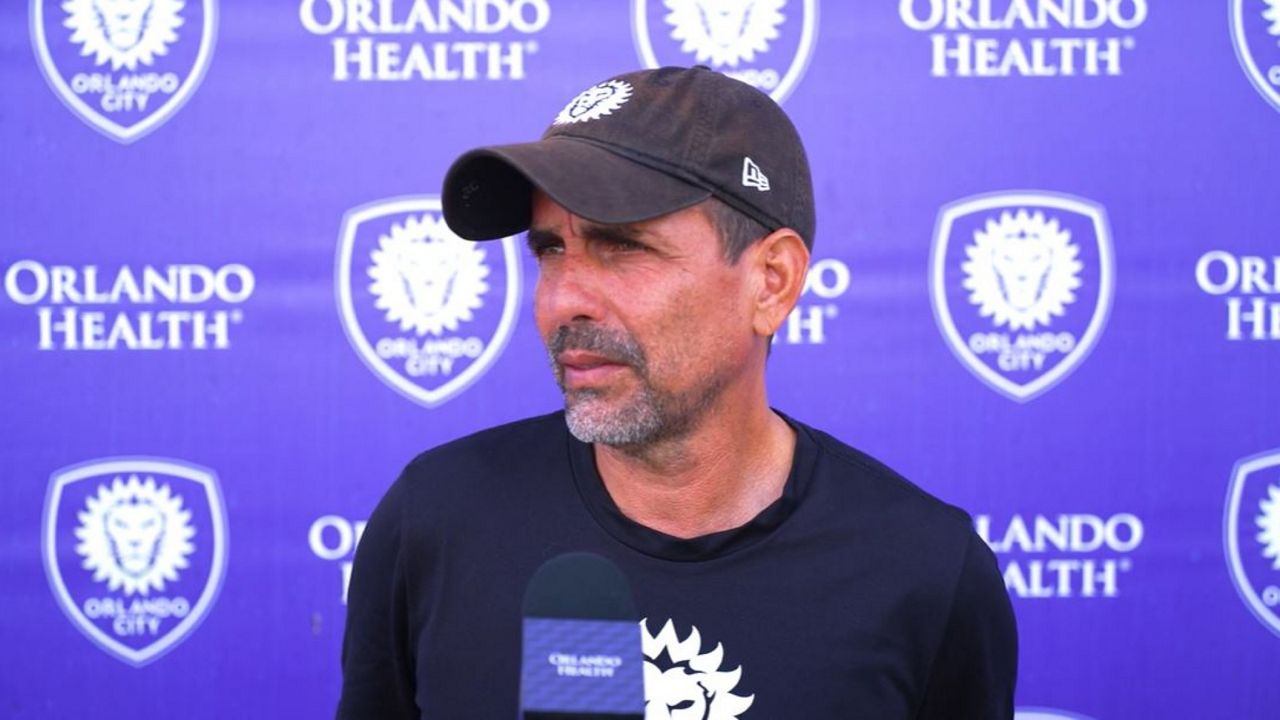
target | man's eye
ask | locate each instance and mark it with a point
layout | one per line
(543, 249)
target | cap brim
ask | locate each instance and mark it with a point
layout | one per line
(487, 192)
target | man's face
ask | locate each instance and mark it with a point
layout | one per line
(647, 325)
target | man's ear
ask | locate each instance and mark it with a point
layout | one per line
(781, 262)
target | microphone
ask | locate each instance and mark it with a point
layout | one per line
(582, 658)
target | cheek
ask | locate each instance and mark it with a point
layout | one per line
(705, 329)
(540, 318)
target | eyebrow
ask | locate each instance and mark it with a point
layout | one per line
(613, 234)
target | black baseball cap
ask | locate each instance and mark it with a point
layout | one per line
(638, 146)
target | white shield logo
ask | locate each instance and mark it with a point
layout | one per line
(427, 311)
(124, 66)
(135, 549)
(1021, 284)
(1255, 31)
(1252, 535)
(763, 43)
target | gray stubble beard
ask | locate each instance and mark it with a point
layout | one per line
(651, 417)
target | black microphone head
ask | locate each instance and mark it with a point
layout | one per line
(582, 653)
(580, 586)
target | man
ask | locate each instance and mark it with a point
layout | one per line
(782, 574)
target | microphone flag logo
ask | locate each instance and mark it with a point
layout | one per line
(582, 666)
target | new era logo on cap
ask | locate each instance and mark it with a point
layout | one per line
(752, 176)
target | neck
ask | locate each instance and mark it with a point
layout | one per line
(732, 464)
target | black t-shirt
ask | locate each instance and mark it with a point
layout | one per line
(854, 595)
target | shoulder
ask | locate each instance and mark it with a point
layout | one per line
(482, 475)
(876, 487)
(514, 443)
(481, 471)
(927, 550)
(925, 544)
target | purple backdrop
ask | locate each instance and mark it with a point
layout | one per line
(1046, 288)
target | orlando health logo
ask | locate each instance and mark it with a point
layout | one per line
(1247, 284)
(764, 43)
(170, 307)
(124, 66)
(428, 40)
(427, 311)
(1252, 535)
(1068, 555)
(1255, 30)
(135, 549)
(1026, 38)
(1021, 284)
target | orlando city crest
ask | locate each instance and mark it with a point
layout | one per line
(1021, 284)
(1252, 535)
(135, 549)
(124, 66)
(427, 311)
(764, 43)
(1255, 29)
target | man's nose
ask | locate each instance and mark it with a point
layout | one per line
(570, 290)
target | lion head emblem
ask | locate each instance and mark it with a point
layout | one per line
(725, 32)
(1268, 522)
(124, 32)
(426, 278)
(595, 102)
(134, 535)
(1272, 13)
(683, 683)
(1022, 270)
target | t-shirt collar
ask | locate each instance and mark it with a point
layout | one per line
(705, 547)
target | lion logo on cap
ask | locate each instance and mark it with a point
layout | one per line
(595, 102)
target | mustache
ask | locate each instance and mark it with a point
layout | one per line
(614, 345)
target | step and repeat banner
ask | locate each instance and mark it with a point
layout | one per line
(1046, 287)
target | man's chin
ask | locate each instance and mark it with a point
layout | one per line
(596, 420)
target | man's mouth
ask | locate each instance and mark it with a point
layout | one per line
(582, 369)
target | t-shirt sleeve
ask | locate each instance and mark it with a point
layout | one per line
(377, 661)
(975, 669)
